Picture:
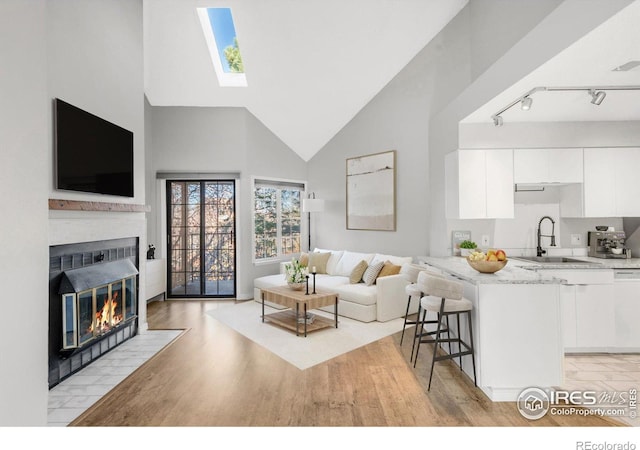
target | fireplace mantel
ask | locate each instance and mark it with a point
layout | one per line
(79, 205)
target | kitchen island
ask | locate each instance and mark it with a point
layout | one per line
(516, 326)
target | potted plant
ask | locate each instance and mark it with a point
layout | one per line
(467, 247)
(295, 274)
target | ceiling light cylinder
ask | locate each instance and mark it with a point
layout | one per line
(597, 97)
(525, 104)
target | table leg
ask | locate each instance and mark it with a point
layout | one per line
(305, 320)
(335, 312)
(297, 321)
(262, 306)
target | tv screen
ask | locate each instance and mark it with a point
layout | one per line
(92, 154)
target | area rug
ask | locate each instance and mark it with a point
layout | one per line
(302, 352)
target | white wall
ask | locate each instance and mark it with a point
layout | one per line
(218, 140)
(89, 53)
(24, 171)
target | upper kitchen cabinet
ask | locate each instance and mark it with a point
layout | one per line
(611, 188)
(479, 184)
(547, 165)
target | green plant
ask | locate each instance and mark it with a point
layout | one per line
(295, 272)
(468, 244)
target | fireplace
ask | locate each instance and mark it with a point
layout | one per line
(93, 299)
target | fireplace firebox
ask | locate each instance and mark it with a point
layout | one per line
(93, 300)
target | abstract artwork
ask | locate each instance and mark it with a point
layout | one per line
(371, 192)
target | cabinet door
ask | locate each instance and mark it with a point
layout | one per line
(594, 316)
(472, 180)
(599, 183)
(530, 165)
(565, 165)
(499, 184)
(627, 311)
(568, 315)
(626, 162)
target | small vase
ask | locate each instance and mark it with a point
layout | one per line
(296, 286)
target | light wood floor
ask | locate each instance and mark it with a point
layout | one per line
(213, 376)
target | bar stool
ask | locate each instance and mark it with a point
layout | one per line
(444, 297)
(410, 273)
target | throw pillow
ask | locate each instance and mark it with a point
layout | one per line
(370, 275)
(357, 272)
(304, 259)
(319, 261)
(389, 269)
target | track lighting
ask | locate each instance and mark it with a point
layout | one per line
(597, 94)
(597, 97)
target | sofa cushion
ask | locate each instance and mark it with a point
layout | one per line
(397, 260)
(350, 260)
(357, 272)
(304, 259)
(389, 269)
(319, 261)
(357, 293)
(372, 272)
(333, 261)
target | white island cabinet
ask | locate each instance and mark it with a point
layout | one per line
(516, 324)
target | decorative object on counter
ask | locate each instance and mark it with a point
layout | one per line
(457, 237)
(491, 262)
(151, 253)
(602, 227)
(466, 247)
(296, 275)
(313, 272)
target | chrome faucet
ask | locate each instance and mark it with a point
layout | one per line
(539, 250)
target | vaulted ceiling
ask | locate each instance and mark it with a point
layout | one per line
(310, 65)
(590, 61)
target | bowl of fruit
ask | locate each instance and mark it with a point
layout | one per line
(490, 262)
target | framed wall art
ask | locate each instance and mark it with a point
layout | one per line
(371, 192)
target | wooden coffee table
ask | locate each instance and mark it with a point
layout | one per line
(299, 303)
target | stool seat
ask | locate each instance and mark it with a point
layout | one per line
(434, 304)
(413, 290)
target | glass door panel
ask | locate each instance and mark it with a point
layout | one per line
(201, 238)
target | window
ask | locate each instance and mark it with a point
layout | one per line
(220, 34)
(277, 219)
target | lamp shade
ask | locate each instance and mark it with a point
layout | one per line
(312, 205)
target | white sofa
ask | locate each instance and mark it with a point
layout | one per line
(385, 300)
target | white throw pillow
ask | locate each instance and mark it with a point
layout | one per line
(397, 260)
(334, 259)
(350, 260)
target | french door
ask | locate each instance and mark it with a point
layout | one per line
(201, 238)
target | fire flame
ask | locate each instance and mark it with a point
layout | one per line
(106, 318)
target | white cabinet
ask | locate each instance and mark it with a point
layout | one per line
(586, 309)
(479, 184)
(155, 278)
(627, 311)
(547, 165)
(610, 182)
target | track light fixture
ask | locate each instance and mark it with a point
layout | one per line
(597, 97)
(597, 93)
(525, 104)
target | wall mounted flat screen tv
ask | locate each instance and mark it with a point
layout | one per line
(92, 154)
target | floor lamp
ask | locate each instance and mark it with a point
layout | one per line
(309, 205)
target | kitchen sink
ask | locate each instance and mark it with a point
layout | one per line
(551, 259)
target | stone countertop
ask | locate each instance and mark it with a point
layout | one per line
(511, 274)
(523, 272)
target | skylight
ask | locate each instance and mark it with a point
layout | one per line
(220, 34)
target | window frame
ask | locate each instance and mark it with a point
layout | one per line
(278, 183)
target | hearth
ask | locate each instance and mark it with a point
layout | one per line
(93, 299)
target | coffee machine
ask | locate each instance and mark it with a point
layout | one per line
(607, 244)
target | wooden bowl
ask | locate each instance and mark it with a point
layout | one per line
(487, 266)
